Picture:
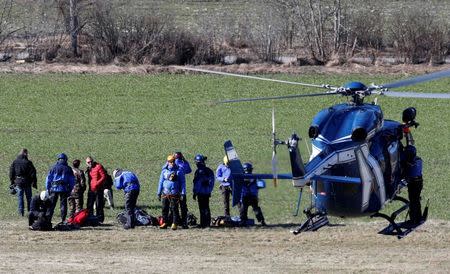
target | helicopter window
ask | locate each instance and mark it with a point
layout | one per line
(359, 134)
(347, 169)
(313, 132)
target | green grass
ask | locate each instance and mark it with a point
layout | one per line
(133, 122)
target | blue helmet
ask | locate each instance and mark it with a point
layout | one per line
(248, 168)
(200, 158)
(62, 156)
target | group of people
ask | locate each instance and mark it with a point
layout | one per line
(172, 191)
(68, 184)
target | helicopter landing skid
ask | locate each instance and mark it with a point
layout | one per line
(313, 223)
(401, 229)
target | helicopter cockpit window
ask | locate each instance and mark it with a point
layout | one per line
(313, 132)
(359, 134)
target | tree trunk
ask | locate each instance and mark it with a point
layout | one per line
(74, 26)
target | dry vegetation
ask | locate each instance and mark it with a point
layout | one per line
(309, 32)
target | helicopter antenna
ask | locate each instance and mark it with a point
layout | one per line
(254, 77)
(307, 148)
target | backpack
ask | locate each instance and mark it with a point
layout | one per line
(79, 218)
(141, 216)
(222, 221)
(191, 219)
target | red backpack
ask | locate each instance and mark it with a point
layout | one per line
(79, 218)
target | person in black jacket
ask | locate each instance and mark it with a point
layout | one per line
(203, 186)
(40, 217)
(22, 175)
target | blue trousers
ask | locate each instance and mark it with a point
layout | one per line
(63, 203)
(130, 206)
(20, 192)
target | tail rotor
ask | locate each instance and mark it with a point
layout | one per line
(274, 150)
(275, 142)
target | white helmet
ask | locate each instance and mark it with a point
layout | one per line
(44, 195)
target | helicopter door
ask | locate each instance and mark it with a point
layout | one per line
(372, 180)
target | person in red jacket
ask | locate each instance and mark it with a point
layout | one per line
(96, 178)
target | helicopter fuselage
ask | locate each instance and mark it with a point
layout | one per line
(355, 166)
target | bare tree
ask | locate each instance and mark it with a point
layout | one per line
(6, 25)
(418, 36)
(74, 27)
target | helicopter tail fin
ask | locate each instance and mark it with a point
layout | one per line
(236, 170)
(298, 169)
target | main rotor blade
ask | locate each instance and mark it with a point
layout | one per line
(253, 77)
(276, 97)
(418, 79)
(416, 95)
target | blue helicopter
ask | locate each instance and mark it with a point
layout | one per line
(358, 162)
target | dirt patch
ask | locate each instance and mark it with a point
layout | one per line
(41, 67)
(353, 247)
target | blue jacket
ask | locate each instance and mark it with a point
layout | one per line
(249, 188)
(203, 181)
(60, 178)
(181, 178)
(127, 181)
(223, 172)
(166, 186)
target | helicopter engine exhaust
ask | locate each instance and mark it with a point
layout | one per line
(298, 169)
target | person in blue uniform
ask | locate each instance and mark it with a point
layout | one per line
(249, 197)
(170, 189)
(412, 171)
(203, 186)
(60, 181)
(223, 176)
(129, 182)
(184, 165)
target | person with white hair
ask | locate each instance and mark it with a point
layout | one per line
(40, 216)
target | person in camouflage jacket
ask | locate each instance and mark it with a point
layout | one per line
(76, 198)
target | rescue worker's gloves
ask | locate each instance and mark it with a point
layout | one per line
(225, 180)
(194, 197)
(159, 197)
(34, 185)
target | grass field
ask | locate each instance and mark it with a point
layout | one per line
(133, 122)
